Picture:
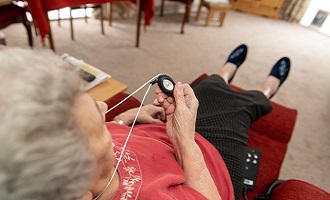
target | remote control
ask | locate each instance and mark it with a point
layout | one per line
(251, 167)
(86, 76)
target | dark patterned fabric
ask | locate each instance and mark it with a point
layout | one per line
(224, 118)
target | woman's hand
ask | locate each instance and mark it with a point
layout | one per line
(181, 111)
(149, 114)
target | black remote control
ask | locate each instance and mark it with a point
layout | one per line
(86, 76)
(251, 167)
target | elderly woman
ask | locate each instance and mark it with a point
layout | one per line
(56, 145)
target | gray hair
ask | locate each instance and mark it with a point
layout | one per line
(43, 153)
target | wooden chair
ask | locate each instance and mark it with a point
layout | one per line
(212, 7)
(186, 16)
(12, 13)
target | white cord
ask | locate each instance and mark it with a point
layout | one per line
(115, 106)
(130, 131)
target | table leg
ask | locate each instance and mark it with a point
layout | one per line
(50, 35)
(138, 24)
(71, 25)
(110, 14)
(101, 18)
(58, 18)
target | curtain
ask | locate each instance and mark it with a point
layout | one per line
(293, 10)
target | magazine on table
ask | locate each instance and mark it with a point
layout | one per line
(92, 75)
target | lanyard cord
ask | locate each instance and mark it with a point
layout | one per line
(149, 81)
(130, 131)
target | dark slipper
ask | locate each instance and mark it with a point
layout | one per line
(237, 57)
(281, 71)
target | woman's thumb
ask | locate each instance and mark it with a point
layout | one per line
(178, 94)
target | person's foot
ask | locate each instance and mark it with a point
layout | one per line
(237, 57)
(280, 71)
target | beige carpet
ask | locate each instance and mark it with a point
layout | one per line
(203, 49)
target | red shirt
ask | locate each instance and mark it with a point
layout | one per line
(149, 169)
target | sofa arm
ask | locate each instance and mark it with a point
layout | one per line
(296, 189)
(128, 104)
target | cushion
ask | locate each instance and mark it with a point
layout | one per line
(296, 189)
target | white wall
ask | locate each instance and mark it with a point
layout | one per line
(311, 12)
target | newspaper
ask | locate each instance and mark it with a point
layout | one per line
(92, 75)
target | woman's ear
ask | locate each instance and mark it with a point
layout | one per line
(87, 196)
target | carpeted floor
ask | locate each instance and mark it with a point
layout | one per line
(204, 49)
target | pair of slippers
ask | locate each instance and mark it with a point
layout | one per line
(280, 69)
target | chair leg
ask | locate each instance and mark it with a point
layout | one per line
(27, 26)
(71, 25)
(187, 14)
(209, 16)
(101, 18)
(199, 11)
(222, 17)
(162, 8)
(186, 17)
(110, 14)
